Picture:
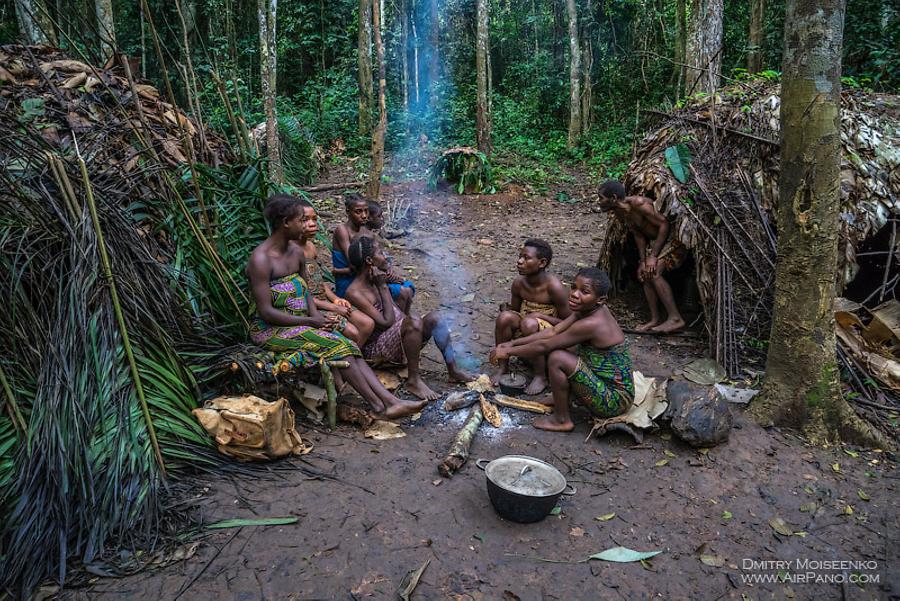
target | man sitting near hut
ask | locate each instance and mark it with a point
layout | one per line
(659, 253)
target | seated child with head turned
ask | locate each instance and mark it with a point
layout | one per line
(598, 375)
(402, 290)
(538, 303)
(357, 209)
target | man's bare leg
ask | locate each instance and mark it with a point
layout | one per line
(559, 366)
(507, 323)
(674, 322)
(653, 303)
(538, 382)
(412, 339)
(434, 325)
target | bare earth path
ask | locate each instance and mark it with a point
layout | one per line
(357, 539)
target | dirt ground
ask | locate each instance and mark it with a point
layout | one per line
(388, 509)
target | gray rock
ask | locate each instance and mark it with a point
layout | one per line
(699, 415)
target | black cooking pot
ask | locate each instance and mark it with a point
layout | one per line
(523, 489)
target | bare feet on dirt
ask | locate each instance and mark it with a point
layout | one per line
(455, 374)
(421, 390)
(402, 409)
(546, 400)
(647, 326)
(669, 326)
(536, 386)
(549, 422)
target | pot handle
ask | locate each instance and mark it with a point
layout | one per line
(568, 492)
(478, 463)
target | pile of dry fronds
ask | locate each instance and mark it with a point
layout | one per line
(727, 148)
(120, 246)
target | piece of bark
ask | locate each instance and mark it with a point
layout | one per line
(355, 416)
(516, 403)
(459, 450)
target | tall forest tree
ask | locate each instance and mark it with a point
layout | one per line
(681, 35)
(404, 52)
(268, 53)
(373, 189)
(801, 386)
(106, 25)
(434, 56)
(756, 36)
(574, 76)
(364, 66)
(483, 109)
(33, 22)
(704, 48)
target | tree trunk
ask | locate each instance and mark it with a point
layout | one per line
(681, 34)
(374, 187)
(404, 52)
(574, 77)
(267, 12)
(704, 51)
(434, 58)
(801, 386)
(364, 60)
(106, 24)
(483, 116)
(33, 22)
(586, 86)
(755, 39)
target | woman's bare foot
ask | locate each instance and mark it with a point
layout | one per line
(546, 400)
(455, 374)
(402, 409)
(537, 386)
(550, 422)
(669, 326)
(421, 390)
(647, 326)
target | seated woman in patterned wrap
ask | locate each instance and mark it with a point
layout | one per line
(598, 375)
(286, 319)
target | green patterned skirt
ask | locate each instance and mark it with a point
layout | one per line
(603, 380)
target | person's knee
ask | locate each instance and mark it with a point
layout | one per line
(508, 319)
(558, 359)
(413, 324)
(530, 325)
(405, 294)
(351, 332)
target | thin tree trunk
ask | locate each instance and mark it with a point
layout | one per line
(415, 33)
(586, 86)
(574, 77)
(268, 63)
(106, 24)
(364, 61)
(434, 57)
(801, 386)
(33, 22)
(404, 52)
(755, 53)
(704, 51)
(483, 112)
(374, 187)
(681, 34)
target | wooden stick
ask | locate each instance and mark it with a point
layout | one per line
(522, 404)
(699, 122)
(326, 187)
(117, 307)
(330, 392)
(459, 450)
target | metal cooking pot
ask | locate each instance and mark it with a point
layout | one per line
(523, 489)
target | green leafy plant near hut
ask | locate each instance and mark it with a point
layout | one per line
(468, 169)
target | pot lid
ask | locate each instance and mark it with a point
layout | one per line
(525, 476)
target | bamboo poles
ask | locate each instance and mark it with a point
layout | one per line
(117, 307)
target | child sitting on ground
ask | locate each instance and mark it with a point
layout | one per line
(402, 290)
(357, 216)
(337, 309)
(398, 339)
(538, 303)
(598, 375)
